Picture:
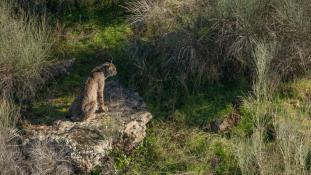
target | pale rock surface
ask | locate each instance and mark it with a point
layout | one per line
(88, 143)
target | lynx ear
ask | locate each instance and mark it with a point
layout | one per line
(111, 57)
(98, 68)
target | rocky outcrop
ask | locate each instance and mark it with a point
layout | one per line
(88, 143)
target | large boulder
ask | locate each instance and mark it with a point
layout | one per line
(88, 143)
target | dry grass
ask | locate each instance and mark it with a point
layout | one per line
(175, 29)
(263, 55)
(46, 160)
(25, 47)
(9, 114)
(287, 152)
(42, 158)
(11, 159)
(199, 41)
(293, 130)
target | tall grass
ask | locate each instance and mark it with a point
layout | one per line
(25, 46)
(293, 130)
(176, 29)
(287, 151)
(25, 49)
(199, 41)
(263, 55)
(251, 151)
(9, 114)
(11, 158)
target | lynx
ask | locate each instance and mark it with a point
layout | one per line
(91, 98)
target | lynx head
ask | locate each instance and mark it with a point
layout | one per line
(108, 69)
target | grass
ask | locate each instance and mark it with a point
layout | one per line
(12, 159)
(272, 137)
(275, 144)
(92, 41)
(164, 150)
(25, 59)
(215, 103)
(9, 114)
(195, 42)
(25, 53)
(154, 55)
(172, 149)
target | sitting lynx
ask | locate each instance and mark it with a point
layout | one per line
(91, 97)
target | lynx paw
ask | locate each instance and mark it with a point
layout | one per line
(103, 109)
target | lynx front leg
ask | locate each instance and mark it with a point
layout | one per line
(100, 96)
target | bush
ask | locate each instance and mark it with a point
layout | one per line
(25, 46)
(11, 158)
(194, 42)
(278, 141)
(42, 159)
(61, 8)
(173, 47)
(46, 160)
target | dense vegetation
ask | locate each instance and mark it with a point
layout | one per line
(190, 59)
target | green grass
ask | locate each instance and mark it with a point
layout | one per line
(215, 102)
(272, 135)
(171, 149)
(99, 32)
(174, 141)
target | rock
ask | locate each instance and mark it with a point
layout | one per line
(88, 143)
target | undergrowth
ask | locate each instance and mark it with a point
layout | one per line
(173, 149)
(190, 60)
(25, 53)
